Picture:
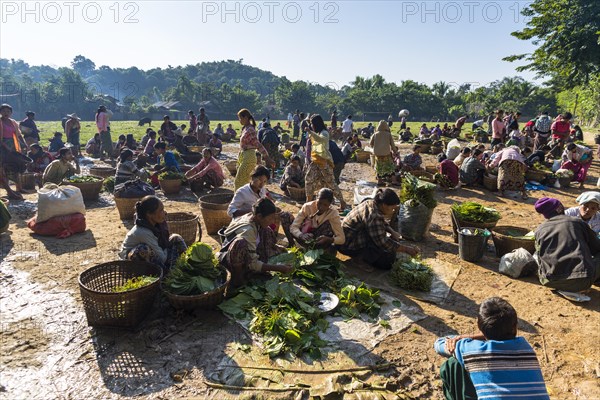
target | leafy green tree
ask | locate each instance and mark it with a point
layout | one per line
(567, 33)
(84, 66)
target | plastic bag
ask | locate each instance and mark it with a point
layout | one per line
(414, 219)
(364, 191)
(453, 149)
(517, 263)
(61, 227)
(133, 190)
(56, 201)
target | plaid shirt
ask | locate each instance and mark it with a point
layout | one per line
(365, 225)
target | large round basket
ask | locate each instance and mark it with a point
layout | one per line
(196, 149)
(102, 172)
(27, 181)
(508, 238)
(565, 182)
(170, 186)
(123, 310)
(458, 224)
(192, 158)
(89, 190)
(490, 182)
(231, 167)
(431, 169)
(435, 150)
(204, 301)
(297, 194)
(226, 137)
(362, 156)
(185, 224)
(190, 140)
(423, 175)
(214, 211)
(535, 175)
(126, 206)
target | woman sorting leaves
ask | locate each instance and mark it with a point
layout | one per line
(248, 245)
(207, 174)
(366, 232)
(127, 170)
(318, 223)
(149, 239)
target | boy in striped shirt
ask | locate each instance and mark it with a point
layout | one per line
(495, 364)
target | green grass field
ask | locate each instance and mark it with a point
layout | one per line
(88, 128)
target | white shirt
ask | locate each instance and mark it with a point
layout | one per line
(347, 126)
(244, 198)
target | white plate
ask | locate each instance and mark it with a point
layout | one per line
(328, 302)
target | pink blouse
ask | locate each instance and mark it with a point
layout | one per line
(249, 140)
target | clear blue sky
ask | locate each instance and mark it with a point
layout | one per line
(324, 42)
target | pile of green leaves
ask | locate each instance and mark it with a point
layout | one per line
(109, 184)
(412, 274)
(416, 191)
(170, 176)
(135, 283)
(195, 272)
(541, 167)
(83, 179)
(470, 211)
(283, 310)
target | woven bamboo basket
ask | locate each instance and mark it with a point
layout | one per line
(89, 190)
(170, 186)
(122, 310)
(214, 211)
(204, 301)
(297, 194)
(423, 175)
(490, 182)
(535, 175)
(226, 137)
(506, 243)
(27, 181)
(126, 206)
(102, 172)
(231, 167)
(458, 224)
(185, 224)
(431, 169)
(435, 150)
(192, 158)
(362, 156)
(565, 182)
(196, 149)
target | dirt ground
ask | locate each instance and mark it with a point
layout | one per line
(48, 351)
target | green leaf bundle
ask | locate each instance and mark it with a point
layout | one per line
(470, 211)
(412, 275)
(195, 272)
(414, 190)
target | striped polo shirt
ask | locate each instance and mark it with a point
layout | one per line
(500, 370)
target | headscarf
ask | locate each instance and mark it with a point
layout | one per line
(587, 197)
(383, 126)
(547, 206)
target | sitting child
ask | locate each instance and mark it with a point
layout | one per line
(494, 364)
(56, 144)
(292, 176)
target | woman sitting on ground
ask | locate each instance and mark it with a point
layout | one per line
(149, 239)
(61, 168)
(366, 232)
(511, 170)
(472, 169)
(249, 244)
(413, 161)
(464, 154)
(318, 221)
(93, 146)
(577, 158)
(292, 176)
(207, 174)
(448, 172)
(245, 197)
(41, 159)
(215, 143)
(130, 142)
(231, 131)
(589, 203)
(127, 170)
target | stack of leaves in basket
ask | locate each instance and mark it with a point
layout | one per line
(195, 272)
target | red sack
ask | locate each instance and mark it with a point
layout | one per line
(61, 227)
